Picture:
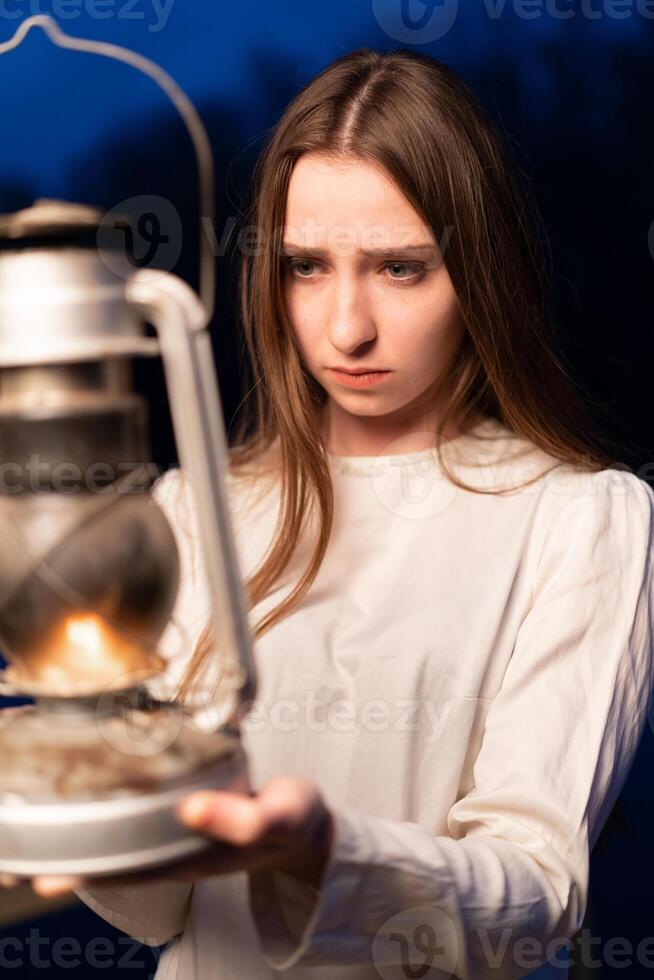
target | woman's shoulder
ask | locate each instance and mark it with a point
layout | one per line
(600, 523)
(612, 492)
(597, 512)
(513, 458)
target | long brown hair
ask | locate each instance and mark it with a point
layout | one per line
(416, 118)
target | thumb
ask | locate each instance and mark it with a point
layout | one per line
(50, 886)
(228, 816)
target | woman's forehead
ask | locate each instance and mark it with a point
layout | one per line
(355, 197)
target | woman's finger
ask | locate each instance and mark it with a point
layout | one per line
(231, 817)
(284, 807)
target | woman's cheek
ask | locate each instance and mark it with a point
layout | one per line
(306, 335)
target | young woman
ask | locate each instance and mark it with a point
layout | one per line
(450, 581)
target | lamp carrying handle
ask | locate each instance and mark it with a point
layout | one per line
(190, 117)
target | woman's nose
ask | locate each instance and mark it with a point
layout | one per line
(351, 320)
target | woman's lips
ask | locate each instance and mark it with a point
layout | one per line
(359, 380)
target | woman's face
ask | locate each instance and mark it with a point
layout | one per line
(365, 287)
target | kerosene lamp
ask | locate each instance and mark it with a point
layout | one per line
(91, 771)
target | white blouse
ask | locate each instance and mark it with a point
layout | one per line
(466, 681)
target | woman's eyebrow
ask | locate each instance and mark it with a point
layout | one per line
(403, 251)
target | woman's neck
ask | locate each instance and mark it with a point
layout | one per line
(346, 434)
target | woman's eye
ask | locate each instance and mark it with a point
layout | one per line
(412, 268)
(400, 271)
(298, 266)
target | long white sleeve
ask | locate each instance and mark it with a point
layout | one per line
(152, 914)
(559, 739)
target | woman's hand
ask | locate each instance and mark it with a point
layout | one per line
(285, 825)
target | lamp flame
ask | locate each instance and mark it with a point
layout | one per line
(83, 654)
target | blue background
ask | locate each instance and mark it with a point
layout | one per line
(574, 97)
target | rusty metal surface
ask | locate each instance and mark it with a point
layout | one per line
(66, 757)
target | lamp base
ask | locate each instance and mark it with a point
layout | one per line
(93, 792)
